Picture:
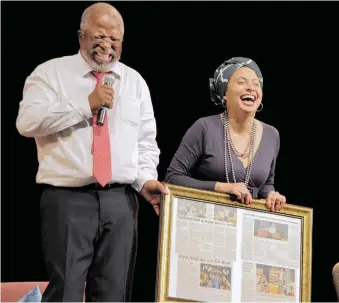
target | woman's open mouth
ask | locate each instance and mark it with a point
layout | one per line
(248, 99)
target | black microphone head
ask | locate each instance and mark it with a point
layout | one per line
(108, 79)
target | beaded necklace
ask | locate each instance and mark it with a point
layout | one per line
(249, 151)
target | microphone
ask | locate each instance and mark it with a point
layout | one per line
(335, 275)
(108, 80)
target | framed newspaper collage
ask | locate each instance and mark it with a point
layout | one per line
(213, 249)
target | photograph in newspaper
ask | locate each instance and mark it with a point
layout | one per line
(191, 209)
(215, 276)
(275, 283)
(275, 280)
(270, 230)
(268, 283)
(225, 214)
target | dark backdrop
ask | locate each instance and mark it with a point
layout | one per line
(176, 47)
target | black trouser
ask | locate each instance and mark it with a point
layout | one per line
(89, 236)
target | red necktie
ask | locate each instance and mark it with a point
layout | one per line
(102, 169)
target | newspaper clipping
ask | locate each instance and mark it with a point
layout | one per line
(221, 253)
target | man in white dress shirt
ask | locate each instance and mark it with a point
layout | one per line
(91, 172)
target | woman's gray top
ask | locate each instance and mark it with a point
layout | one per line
(199, 160)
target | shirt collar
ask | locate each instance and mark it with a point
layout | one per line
(84, 68)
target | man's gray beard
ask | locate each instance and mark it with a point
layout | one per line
(101, 68)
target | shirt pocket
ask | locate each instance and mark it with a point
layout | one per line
(130, 111)
(127, 132)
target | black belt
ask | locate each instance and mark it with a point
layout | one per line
(96, 186)
(92, 186)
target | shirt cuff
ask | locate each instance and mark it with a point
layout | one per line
(141, 180)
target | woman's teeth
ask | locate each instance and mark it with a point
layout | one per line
(247, 98)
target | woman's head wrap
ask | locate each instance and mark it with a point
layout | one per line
(218, 84)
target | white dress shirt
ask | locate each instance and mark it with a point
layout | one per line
(55, 111)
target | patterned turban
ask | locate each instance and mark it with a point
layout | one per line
(218, 84)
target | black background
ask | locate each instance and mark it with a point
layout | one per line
(176, 46)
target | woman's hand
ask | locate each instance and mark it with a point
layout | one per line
(275, 201)
(238, 189)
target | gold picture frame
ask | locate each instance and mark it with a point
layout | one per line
(188, 237)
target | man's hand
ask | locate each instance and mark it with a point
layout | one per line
(152, 191)
(101, 95)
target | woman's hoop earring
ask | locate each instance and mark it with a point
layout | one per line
(262, 107)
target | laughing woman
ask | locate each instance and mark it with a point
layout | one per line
(231, 152)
